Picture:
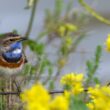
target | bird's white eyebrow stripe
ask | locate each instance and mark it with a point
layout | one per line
(14, 38)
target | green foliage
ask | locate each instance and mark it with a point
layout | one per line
(51, 85)
(28, 70)
(36, 47)
(92, 66)
(46, 64)
(2, 103)
(77, 104)
(70, 39)
(58, 9)
(69, 7)
(55, 20)
(94, 13)
(2, 99)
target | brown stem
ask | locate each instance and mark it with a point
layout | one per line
(50, 92)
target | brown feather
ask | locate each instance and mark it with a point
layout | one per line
(4, 63)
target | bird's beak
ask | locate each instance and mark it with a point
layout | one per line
(23, 39)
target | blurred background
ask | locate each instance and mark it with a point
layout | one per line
(15, 15)
(63, 36)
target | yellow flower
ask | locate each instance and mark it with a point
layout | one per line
(108, 43)
(100, 98)
(36, 98)
(90, 106)
(62, 30)
(59, 103)
(66, 28)
(71, 27)
(74, 81)
(71, 79)
(77, 89)
(67, 94)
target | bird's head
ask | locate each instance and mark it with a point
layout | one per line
(11, 46)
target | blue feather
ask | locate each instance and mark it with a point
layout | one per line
(16, 45)
(10, 55)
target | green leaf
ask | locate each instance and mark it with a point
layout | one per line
(89, 65)
(51, 85)
(98, 53)
(77, 104)
(67, 87)
(46, 64)
(27, 69)
(58, 8)
(96, 80)
(92, 66)
(38, 48)
(50, 70)
(69, 6)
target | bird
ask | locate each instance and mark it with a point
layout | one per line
(12, 57)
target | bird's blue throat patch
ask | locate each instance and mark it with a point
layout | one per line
(15, 52)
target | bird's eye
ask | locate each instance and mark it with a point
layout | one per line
(11, 40)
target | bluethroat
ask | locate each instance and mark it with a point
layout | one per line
(12, 57)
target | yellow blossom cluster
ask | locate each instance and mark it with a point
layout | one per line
(59, 103)
(100, 98)
(37, 98)
(108, 43)
(75, 81)
(67, 27)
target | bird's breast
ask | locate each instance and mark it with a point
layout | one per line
(13, 55)
(11, 68)
(5, 63)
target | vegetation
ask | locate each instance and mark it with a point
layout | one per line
(63, 30)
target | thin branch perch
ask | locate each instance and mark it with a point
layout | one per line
(18, 92)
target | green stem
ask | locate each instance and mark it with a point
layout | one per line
(31, 19)
(94, 13)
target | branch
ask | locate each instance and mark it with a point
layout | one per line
(31, 18)
(50, 92)
(94, 13)
(16, 93)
